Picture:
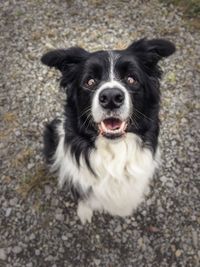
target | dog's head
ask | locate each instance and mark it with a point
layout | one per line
(112, 91)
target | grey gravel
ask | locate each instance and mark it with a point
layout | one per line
(59, 217)
(47, 189)
(8, 212)
(38, 223)
(118, 228)
(17, 249)
(97, 262)
(2, 254)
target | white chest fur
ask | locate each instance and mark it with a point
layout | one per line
(123, 168)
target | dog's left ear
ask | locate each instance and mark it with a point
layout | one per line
(151, 51)
(64, 59)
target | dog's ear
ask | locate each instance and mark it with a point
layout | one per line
(63, 59)
(151, 51)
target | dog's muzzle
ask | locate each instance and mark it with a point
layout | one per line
(112, 99)
(111, 109)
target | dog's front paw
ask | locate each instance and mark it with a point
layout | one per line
(84, 212)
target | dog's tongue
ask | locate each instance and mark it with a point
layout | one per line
(112, 124)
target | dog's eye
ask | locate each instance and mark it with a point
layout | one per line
(90, 83)
(131, 80)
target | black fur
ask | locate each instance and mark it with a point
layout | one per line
(51, 140)
(77, 65)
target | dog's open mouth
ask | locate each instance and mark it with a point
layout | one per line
(112, 127)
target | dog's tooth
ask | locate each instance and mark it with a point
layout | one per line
(103, 126)
(100, 129)
(122, 125)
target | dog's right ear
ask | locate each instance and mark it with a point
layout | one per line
(63, 59)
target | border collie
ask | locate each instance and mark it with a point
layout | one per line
(105, 146)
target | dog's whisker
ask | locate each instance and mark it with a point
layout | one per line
(137, 116)
(89, 123)
(133, 121)
(85, 121)
(85, 112)
(140, 113)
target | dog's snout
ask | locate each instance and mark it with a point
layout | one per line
(111, 98)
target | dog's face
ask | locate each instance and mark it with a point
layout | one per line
(112, 91)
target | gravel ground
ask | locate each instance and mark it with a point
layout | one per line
(38, 223)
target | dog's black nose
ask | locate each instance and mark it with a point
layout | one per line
(111, 98)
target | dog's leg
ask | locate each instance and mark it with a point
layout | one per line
(84, 212)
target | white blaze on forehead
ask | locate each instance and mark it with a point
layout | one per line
(112, 59)
(111, 66)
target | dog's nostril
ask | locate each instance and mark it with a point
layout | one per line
(119, 98)
(103, 99)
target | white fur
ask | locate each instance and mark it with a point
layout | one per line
(112, 60)
(84, 212)
(123, 168)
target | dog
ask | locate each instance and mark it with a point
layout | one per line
(105, 145)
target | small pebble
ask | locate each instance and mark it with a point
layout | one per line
(2, 254)
(8, 212)
(178, 253)
(17, 249)
(97, 262)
